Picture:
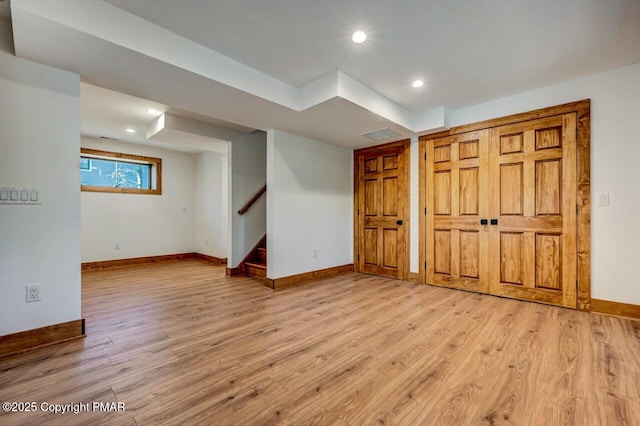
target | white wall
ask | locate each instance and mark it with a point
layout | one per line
(39, 144)
(211, 204)
(615, 152)
(162, 224)
(309, 205)
(247, 174)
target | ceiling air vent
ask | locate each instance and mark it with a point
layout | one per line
(378, 135)
(108, 138)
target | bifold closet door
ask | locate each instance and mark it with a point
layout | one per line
(501, 210)
(533, 205)
(457, 199)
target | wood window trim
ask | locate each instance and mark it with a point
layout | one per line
(155, 162)
(583, 200)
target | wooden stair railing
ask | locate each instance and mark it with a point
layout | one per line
(253, 199)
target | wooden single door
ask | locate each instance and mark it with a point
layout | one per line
(381, 210)
(457, 198)
(533, 210)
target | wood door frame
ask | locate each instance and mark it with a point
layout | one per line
(583, 196)
(404, 144)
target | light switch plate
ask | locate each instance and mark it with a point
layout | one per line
(19, 195)
(603, 200)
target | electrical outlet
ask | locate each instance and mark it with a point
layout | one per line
(116, 246)
(34, 293)
(315, 252)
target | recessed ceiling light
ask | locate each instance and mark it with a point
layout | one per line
(359, 37)
(130, 130)
(154, 111)
(417, 83)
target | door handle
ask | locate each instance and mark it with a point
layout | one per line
(399, 222)
(484, 222)
(494, 221)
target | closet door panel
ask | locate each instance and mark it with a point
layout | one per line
(533, 206)
(457, 200)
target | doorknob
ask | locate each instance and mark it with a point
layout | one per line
(494, 221)
(484, 222)
(399, 222)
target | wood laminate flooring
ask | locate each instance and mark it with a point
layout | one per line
(181, 343)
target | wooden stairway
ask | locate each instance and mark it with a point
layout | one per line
(256, 263)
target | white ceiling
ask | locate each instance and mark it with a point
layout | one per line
(467, 51)
(290, 64)
(107, 114)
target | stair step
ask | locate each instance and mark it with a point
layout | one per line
(262, 255)
(257, 270)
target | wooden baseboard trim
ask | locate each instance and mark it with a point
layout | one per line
(233, 272)
(119, 263)
(615, 308)
(215, 260)
(284, 282)
(23, 341)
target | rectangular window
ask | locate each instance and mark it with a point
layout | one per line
(104, 171)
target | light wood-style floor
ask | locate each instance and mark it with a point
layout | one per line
(179, 343)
